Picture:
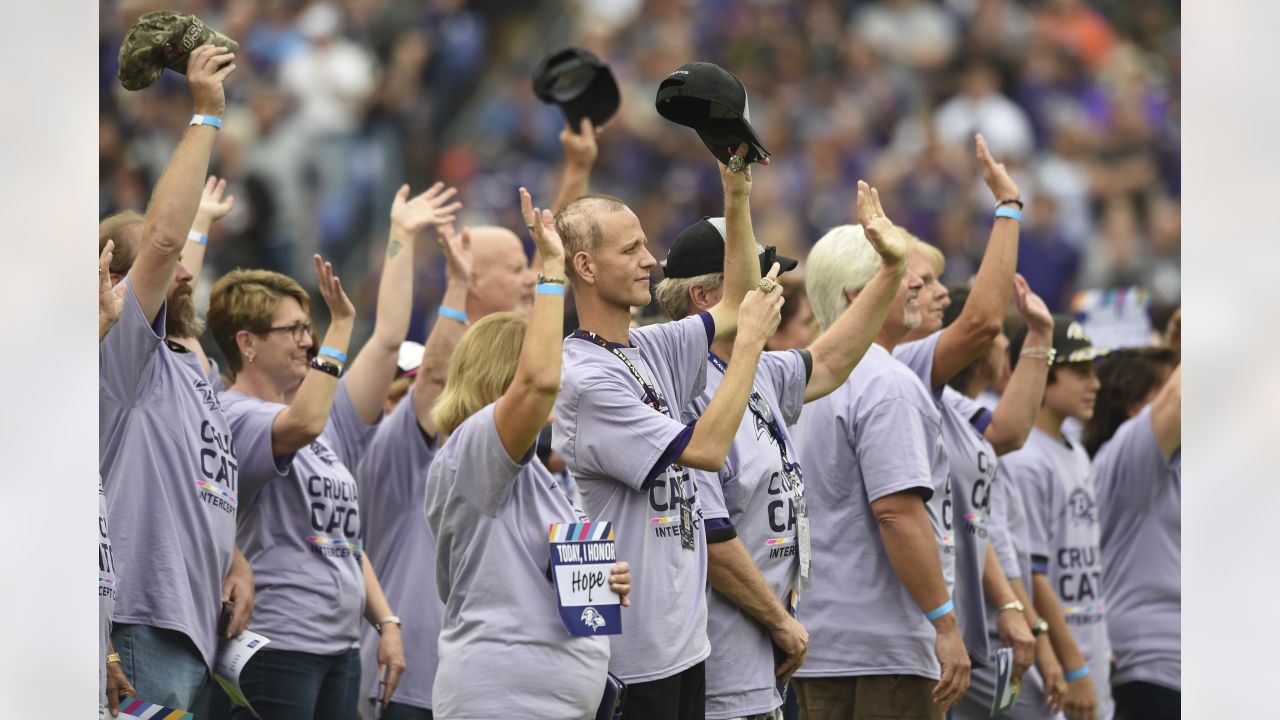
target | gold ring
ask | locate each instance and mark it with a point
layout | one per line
(736, 163)
(767, 285)
(529, 225)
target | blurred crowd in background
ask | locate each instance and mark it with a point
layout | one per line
(336, 103)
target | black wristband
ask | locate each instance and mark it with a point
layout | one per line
(325, 366)
(1010, 201)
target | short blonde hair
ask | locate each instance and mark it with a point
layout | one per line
(673, 293)
(481, 368)
(841, 261)
(120, 227)
(247, 300)
(930, 253)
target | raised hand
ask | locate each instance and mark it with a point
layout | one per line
(890, 242)
(212, 205)
(580, 147)
(207, 67)
(340, 307)
(457, 253)
(430, 208)
(110, 299)
(994, 173)
(738, 183)
(760, 311)
(1030, 306)
(542, 226)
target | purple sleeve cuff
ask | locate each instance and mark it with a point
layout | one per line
(709, 324)
(719, 530)
(1039, 565)
(674, 449)
(981, 420)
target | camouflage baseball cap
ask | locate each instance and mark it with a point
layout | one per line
(164, 39)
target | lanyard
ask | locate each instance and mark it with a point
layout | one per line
(651, 395)
(764, 416)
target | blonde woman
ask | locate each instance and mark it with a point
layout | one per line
(489, 502)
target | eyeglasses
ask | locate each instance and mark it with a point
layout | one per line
(299, 330)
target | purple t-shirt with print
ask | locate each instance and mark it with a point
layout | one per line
(504, 651)
(1062, 524)
(392, 480)
(1140, 497)
(918, 355)
(876, 435)
(611, 440)
(300, 529)
(106, 592)
(171, 474)
(755, 497)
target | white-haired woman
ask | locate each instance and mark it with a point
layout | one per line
(503, 649)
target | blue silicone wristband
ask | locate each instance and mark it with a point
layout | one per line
(1008, 212)
(452, 314)
(1076, 674)
(941, 610)
(213, 120)
(550, 289)
(197, 238)
(329, 352)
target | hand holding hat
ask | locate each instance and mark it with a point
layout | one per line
(712, 101)
(164, 38)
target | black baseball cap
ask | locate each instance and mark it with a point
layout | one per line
(711, 100)
(1069, 342)
(577, 81)
(699, 250)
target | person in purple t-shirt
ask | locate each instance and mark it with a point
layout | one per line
(620, 429)
(1135, 438)
(300, 523)
(166, 458)
(504, 650)
(758, 554)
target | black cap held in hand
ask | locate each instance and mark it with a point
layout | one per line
(712, 101)
(1069, 342)
(579, 83)
(699, 250)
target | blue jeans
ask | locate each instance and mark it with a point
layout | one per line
(163, 665)
(398, 711)
(286, 685)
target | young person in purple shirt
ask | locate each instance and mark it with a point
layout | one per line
(166, 458)
(300, 523)
(758, 558)
(1053, 477)
(619, 428)
(504, 651)
(1135, 438)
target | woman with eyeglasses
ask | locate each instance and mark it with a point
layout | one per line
(298, 521)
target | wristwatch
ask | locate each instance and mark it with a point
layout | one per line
(1012, 605)
(388, 619)
(1039, 627)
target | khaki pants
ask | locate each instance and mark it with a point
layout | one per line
(868, 697)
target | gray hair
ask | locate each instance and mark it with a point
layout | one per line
(673, 293)
(842, 261)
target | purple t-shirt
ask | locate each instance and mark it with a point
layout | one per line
(754, 495)
(392, 480)
(874, 436)
(973, 464)
(1140, 498)
(106, 592)
(611, 440)
(1062, 524)
(300, 527)
(503, 648)
(171, 474)
(918, 355)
